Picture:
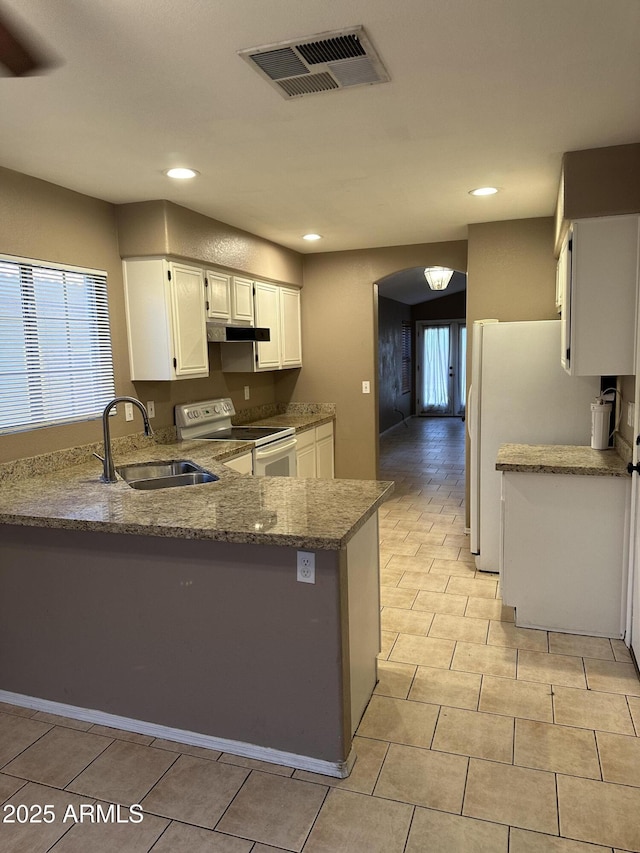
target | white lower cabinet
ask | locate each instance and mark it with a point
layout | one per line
(563, 551)
(314, 452)
(306, 453)
(242, 464)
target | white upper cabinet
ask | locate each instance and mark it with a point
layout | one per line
(277, 308)
(166, 325)
(290, 330)
(267, 313)
(242, 300)
(598, 268)
(218, 295)
(229, 298)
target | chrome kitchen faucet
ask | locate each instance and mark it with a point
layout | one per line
(108, 473)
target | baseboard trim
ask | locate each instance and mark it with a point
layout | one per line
(337, 769)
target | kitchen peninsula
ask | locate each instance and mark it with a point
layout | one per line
(178, 613)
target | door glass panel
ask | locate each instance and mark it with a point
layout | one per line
(436, 396)
(462, 369)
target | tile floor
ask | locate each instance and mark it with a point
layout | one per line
(481, 737)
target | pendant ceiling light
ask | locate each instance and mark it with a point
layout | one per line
(438, 277)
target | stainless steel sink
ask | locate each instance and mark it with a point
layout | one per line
(164, 475)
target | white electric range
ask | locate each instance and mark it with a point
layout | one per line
(273, 448)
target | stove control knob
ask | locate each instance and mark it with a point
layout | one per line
(216, 409)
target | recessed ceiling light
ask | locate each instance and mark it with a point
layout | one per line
(312, 237)
(484, 191)
(181, 174)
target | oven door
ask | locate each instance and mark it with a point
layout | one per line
(277, 459)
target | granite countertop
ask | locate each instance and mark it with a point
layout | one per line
(561, 459)
(289, 512)
(300, 422)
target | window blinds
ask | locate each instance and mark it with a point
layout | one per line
(56, 362)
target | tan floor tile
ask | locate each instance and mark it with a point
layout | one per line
(57, 720)
(453, 567)
(523, 841)
(195, 791)
(457, 539)
(459, 628)
(17, 733)
(513, 795)
(387, 639)
(599, 812)
(37, 837)
(582, 646)
(634, 707)
(394, 679)
(393, 596)
(370, 755)
(110, 836)
(438, 553)
(620, 758)
(506, 634)
(403, 514)
(423, 777)
(562, 670)
(389, 538)
(423, 580)
(439, 522)
(255, 764)
(399, 721)
(446, 687)
(401, 549)
(426, 651)
(410, 564)
(58, 757)
(122, 734)
(489, 608)
(439, 832)
(423, 537)
(354, 822)
(587, 709)
(8, 786)
(181, 838)
(473, 586)
(516, 698)
(257, 811)
(187, 749)
(560, 749)
(123, 773)
(16, 710)
(390, 577)
(620, 651)
(612, 677)
(489, 660)
(399, 620)
(439, 602)
(475, 734)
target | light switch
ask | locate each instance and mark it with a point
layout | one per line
(366, 387)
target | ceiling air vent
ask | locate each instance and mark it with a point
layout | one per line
(319, 63)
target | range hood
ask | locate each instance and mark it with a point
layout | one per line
(236, 334)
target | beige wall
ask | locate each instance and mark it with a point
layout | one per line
(511, 277)
(46, 222)
(339, 334)
(164, 228)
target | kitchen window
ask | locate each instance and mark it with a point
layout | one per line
(56, 364)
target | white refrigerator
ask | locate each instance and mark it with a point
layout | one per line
(519, 394)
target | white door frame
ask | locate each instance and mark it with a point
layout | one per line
(632, 626)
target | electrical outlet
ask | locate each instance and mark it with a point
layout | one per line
(246, 392)
(366, 387)
(306, 566)
(128, 411)
(151, 409)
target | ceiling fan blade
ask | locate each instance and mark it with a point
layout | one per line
(16, 54)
